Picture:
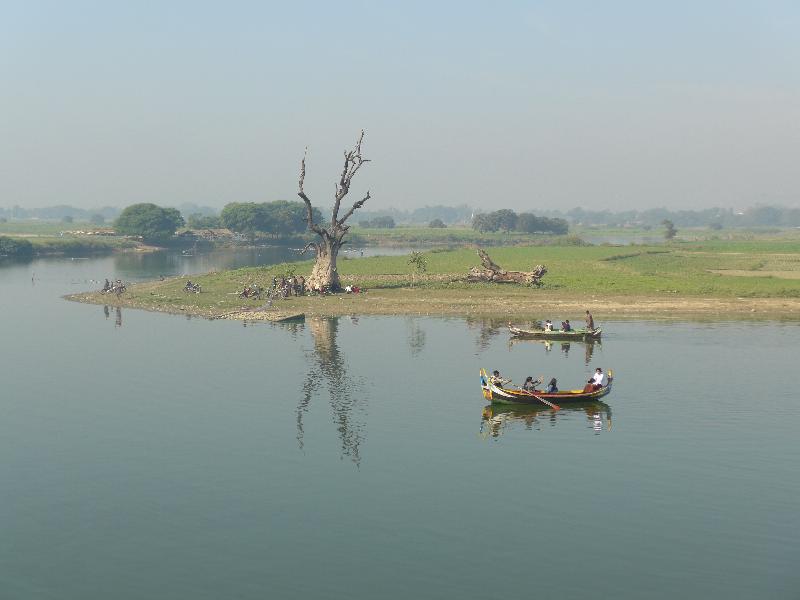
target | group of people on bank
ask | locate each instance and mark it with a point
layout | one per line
(115, 287)
(598, 381)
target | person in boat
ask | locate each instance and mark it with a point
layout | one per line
(589, 387)
(552, 387)
(497, 380)
(106, 285)
(600, 378)
(589, 321)
(548, 325)
(530, 384)
(565, 326)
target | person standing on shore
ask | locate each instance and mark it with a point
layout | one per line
(589, 321)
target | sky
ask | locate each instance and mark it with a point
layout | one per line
(523, 105)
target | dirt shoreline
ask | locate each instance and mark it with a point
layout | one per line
(478, 303)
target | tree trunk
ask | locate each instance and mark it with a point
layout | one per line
(491, 272)
(324, 275)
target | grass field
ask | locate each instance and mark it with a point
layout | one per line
(450, 236)
(44, 228)
(690, 277)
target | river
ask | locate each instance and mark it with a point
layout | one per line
(155, 456)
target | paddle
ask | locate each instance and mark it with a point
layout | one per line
(550, 404)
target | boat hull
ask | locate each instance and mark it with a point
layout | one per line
(577, 334)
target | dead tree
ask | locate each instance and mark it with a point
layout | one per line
(331, 237)
(490, 272)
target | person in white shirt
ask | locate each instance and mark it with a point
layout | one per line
(600, 378)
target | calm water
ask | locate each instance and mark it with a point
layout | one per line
(154, 456)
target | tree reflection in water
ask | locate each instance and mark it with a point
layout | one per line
(487, 328)
(497, 418)
(328, 368)
(416, 336)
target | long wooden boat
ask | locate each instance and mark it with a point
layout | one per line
(555, 334)
(502, 395)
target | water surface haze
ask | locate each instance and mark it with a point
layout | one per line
(156, 456)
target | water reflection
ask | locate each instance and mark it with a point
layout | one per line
(328, 368)
(565, 347)
(498, 419)
(487, 328)
(416, 336)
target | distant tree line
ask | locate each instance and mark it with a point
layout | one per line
(61, 212)
(507, 220)
(16, 247)
(384, 222)
(419, 216)
(279, 218)
(714, 218)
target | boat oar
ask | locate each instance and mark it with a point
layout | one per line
(550, 404)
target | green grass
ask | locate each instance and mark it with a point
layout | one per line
(407, 235)
(664, 270)
(45, 228)
(78, 246)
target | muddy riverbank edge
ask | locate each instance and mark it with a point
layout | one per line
(500, 303)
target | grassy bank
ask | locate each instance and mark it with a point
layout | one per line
(450, 236)
(721, 279)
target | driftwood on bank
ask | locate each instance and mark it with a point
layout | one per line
(489, 271)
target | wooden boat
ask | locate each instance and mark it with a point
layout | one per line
(502, 395)
(555, 334)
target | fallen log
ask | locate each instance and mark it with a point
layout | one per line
(490, 272)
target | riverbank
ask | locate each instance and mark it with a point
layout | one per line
(481, 303)
(714, 280)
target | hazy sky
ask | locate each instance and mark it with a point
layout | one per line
(503, 104)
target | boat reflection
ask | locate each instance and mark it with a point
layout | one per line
(496, 419)
(565, 347)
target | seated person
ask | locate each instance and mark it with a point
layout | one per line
(600, 378)
(497, 380)
(565, 326)
(589, 387)
(530, 384)
(548, 325)
(552, 387)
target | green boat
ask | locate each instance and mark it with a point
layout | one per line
(581, 334)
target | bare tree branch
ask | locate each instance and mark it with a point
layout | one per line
(308, 247)
(356, 206)
(309, 209)
(353, 160)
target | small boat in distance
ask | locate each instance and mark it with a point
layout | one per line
(555, 334)
(502, 395)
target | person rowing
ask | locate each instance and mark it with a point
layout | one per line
(531, 383)
(589, 321)
(495, 379)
